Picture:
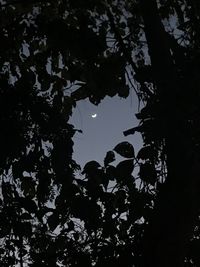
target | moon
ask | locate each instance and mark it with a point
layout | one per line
(94, 115)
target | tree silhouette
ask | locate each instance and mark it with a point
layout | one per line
(141, 212)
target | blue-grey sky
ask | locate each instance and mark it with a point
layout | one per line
(105, 131)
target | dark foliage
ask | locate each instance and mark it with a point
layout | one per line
(142, 211)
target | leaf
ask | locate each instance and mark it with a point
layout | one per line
(22, 228)
(124, 169)
(146, 152)
(76, 237)
(5, 227)
(110, 172)
(26, 216)
(125, 149)
(78, 207)
(53, 221)
(80, 94)
(148, 173)
(26, 229)
(121, 200)
(70, 226)
(17, 170)
(91, 167)
(28, 204)
(110, 157)
(105, 181)
(81, 182)
(28, 187)
(124, 91)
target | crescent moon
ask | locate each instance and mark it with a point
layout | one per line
(94, 115)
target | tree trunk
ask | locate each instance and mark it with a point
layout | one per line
(171, 226)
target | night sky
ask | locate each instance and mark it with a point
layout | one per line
(105, 131)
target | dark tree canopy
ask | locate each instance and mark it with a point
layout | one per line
(141, 212)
